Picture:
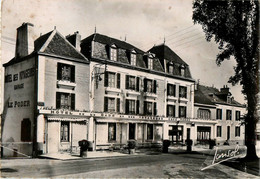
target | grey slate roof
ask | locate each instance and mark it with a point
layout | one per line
(211, 96)
(163, 52)
(58, 46)
(109, 40)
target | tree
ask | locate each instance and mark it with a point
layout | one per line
(234, 25)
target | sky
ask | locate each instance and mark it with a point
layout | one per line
(142, 23)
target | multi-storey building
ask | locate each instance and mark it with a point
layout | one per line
(211, 103)
(146, 96)
(60, 90)
(48, 73)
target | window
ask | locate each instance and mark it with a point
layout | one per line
(182, 70)
(183, 92)
(237, 132)
(203, 114)
(219, 131)
(111, 80)
(203, 134)
(150, 108)
(111, 132)
(65, 101)
(170, 110)
(109, 105)
(26, 130)
(170, 69)
(132, 82)
(219, 114)
(182, 111)
(133, 59)
(130, 106)
(150, 86)
(237, 115)
(113, 54)
(64, 131)
(171, 90)
(66, 72)
(229, 115)
(149, 131)
(150, 63)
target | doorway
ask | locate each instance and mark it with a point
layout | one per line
(131, 131)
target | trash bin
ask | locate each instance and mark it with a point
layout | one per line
(189, 145)
(84, 144)
(166, 144)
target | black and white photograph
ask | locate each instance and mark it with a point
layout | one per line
(130, 89)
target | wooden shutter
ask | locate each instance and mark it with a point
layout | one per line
(73, 101)
(118, 105)
(57, 100)
(127, 82)
(154, 108)
(59, 72)
(127, 106)
(137, 83)
(106, 79)
(105, 104)
(137, 106)
(118, 80)
(167, 112)
(145, 85)
(145, 107)
(154, 86)
(168, 89)
(72, 74)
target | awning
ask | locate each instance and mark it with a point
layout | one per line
(72, 119)
(105, 120)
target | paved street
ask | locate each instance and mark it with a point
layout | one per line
(149, 165)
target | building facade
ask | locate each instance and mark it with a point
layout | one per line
(60, 90)
(211, 103)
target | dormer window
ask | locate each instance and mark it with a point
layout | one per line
(170, 68)
(113, 53)
(150, 63)
(133, 59)
(182, 70)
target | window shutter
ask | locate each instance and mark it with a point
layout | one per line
(145, 85)
(106, 79)
(145, 107)
(118, 80)
(105, 104)
(118, 105)
(127, 82)
(167, 112)
(72, 74)
(137, 106)
(154, 108)
(73, 101)
(127, 106)
(57, 100)
(59, 72)
(154, 86)
(137, 83)
(168, 89)
(174, 90)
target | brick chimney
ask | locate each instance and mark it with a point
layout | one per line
(225, 89)
(24, 40)
(75, 40)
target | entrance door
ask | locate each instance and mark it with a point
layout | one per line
(131, 131)
(228, 132)
(203, 134)
(188, 133)
(176, 134)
